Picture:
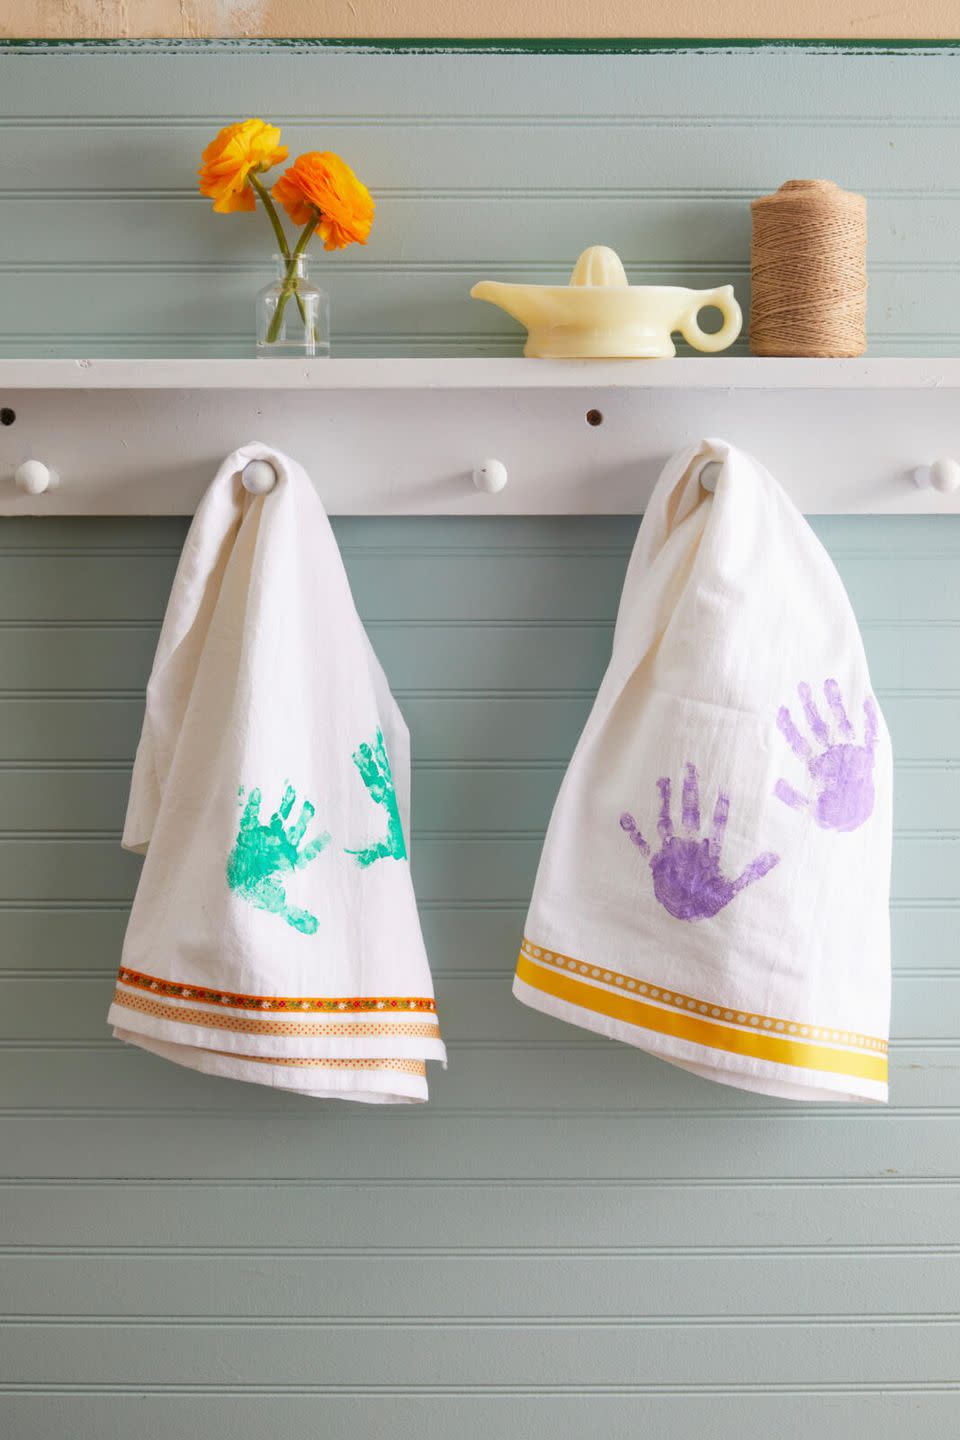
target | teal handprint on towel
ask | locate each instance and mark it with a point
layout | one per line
(262, 853)
(374, 766)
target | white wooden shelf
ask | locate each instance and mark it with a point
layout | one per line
(404, 437)
(690, 373)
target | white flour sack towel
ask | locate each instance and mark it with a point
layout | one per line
(714, 885)
(274, 936)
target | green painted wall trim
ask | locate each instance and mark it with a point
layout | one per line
(560, 46)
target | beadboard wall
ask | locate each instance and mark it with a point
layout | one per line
(483, 165)
(571, 1237)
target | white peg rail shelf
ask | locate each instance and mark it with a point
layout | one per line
(475, 437)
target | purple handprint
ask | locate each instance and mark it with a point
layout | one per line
(843, 772)
(686, 869)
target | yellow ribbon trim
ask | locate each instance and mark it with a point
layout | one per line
(757, 1046)
(672, 997)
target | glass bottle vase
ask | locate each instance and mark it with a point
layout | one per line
(293, 315)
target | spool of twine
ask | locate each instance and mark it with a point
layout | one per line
(808, 261)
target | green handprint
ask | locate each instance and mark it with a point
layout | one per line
(261, 853)
(374, 766)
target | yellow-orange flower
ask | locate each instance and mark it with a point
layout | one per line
(321, 185)
(229, 159)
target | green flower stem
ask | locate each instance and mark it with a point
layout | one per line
(288, 287)
(266, 200)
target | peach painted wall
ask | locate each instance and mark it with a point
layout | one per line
(840, 19)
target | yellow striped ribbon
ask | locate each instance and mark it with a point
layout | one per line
(681, 1025)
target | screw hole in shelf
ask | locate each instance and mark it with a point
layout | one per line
(594, 417)
(7, 416)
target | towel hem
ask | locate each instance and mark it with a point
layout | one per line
(602, 1014)
(370, 1086)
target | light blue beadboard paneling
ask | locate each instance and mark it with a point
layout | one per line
(568, 1223)
(570, 1235)
(482, 164)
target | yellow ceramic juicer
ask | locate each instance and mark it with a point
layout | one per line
(599, 315)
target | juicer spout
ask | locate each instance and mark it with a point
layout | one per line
(527, 303)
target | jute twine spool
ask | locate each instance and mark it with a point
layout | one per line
(808, 260)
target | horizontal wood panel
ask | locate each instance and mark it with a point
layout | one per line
(494, 870)
(662, 154)
(418, 1286)
(571, 1073)
(459, 937)
(537, 655)
(486, 869)
(417, 227)
(525, 1355)
(476, 587)
(471, 1008)
(886, 538)
(39, 799)
(445, 729)
(717, 85)
(415, 303)
(328, 1141)
(543, 1415)
(484, 1215)
(447, 797)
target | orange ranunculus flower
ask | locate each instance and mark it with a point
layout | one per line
(228, 161)
(322, 185)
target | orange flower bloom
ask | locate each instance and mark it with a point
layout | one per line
(252, 145)
(322, 186)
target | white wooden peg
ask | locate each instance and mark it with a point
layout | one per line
(943, 475)
(490, 476)
(258, 477)
(33, 477)
(709, 476)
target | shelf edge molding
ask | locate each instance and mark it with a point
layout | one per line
(511, 373)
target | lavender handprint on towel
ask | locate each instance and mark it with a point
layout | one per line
(842, 773)
(687, 879)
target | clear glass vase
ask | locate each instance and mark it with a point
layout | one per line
(293, 315)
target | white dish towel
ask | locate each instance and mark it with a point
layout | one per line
(714, 885)
(274, 936)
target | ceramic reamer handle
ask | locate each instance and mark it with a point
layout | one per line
(725, 301)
